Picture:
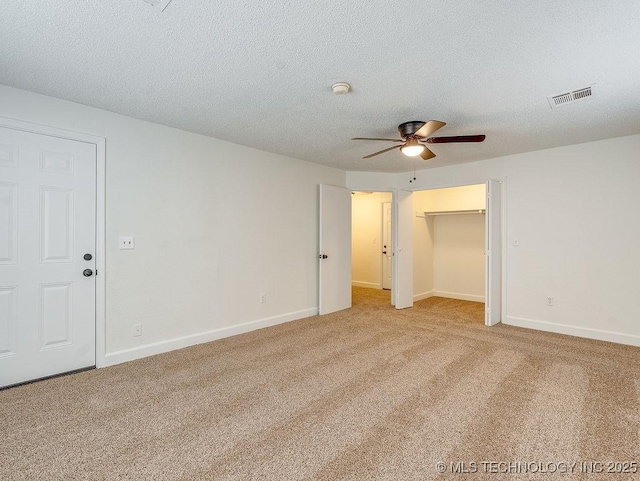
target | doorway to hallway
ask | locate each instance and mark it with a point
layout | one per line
(371, 241)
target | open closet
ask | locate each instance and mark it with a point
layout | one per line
(449, 243)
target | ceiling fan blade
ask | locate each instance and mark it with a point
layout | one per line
(430, 127)
(427, 154)
(459, 138)
(382, 152)
(368, 138)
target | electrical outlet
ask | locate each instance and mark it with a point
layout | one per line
(263, 298)
(137, 330)
(127, 242)
(549, 300)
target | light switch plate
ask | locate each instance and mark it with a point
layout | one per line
(127, 242)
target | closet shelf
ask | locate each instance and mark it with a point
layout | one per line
(455, 212)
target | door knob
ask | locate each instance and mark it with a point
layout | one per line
(87, 272)
(87, 257)
(322, 256)
(384, 252)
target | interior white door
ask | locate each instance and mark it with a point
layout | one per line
(387, 246)
(335, 249)
(493, 254)
(403, 253)
(47, 226)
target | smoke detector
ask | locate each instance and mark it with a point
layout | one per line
(570, 97)
(341, 88)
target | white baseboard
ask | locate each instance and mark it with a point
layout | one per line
(139, 352)
(458, 295)
(372, 285)
(577, 331)
(422, 295)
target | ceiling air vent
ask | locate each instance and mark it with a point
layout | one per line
(570, 97)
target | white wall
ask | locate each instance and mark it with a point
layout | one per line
(458, 256)
(466, 197)
(371, 181)
(216, 224)
(575, 212)
(366, 238)
(423, 239)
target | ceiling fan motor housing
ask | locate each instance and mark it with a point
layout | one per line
(407, 129)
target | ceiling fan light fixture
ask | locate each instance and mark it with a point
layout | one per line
(412, 148)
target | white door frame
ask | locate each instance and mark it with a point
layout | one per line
(493, 189)
(100, 144)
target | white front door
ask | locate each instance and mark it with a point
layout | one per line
(47, 233)
(335, 249)
(493, 254)
(387, 247)
(403, 249)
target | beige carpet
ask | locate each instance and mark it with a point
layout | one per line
(368, 393)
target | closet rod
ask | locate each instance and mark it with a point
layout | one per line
(455, 212)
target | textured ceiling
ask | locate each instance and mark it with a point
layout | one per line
(260, 73)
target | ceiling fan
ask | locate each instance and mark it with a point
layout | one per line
(415, 134)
